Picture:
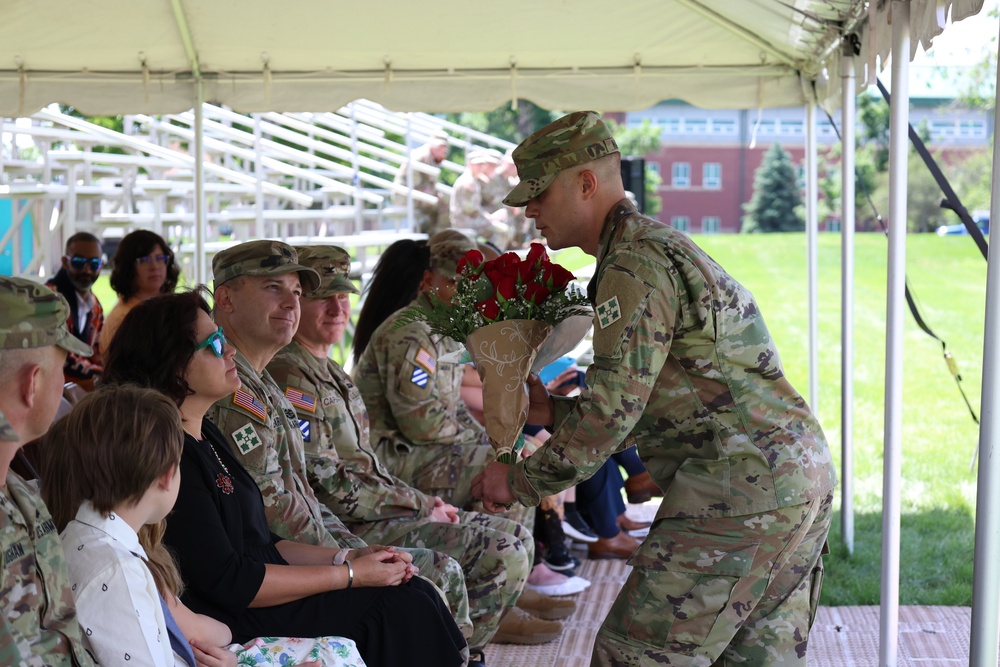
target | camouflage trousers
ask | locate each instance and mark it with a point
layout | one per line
(720, 592)
(495, 554)
(438, 470)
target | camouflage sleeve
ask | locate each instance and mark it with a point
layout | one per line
(14, 647)
(254, 444)
(414, 388)
(634, 323)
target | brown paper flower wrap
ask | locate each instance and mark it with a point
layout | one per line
(503, 312)
(504, 353)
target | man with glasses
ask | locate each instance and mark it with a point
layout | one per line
(81, 266)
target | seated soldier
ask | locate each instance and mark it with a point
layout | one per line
(348, 477)
(39, 623)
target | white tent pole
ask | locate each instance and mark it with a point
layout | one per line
(986, 569)
(200, 275)
(812, 229)
(847, 113)
(899, 113)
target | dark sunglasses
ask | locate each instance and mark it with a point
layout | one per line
(149, 259)
(216, 343)
(77, 262)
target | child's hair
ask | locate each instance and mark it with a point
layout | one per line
(110, 449)
(161, 562)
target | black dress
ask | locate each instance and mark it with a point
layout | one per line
(222, 541)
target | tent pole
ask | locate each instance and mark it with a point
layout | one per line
(986, 569)
(899, 113)
(848, 111)
(812, 229)
(200, 275)
(258, 204)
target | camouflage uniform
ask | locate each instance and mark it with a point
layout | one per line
(424, 432)
(521, 228)
(38, 625)
(261, 427)
(685, 368)
(472, 204)
(427, 218)
(495, 553)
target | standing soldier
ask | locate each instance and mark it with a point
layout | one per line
(471, 206)
(347, 476)
(428, 217)
(257, 290)
(685, 368)
(38, 624)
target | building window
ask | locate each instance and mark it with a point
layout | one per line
(792, 127)
(711, 175)
(672, 125)
(680, 222)
(833, 225)
(710, 224)
(695, 126)
(726, 127)
(680, 175)
(972, 128)
(653, 167)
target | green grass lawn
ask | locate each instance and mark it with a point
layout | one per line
(948, 277)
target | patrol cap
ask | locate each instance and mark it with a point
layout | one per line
(334, 267)
(568, 142)
(32, 315)
(438, 138)
(447, 247)
(262, 258)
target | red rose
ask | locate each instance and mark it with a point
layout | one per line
(507, 287)
(508, 262)
(526, 272)
(490, 309)
(560, 277)
(536, 255)
(494, 272)
(473, 259)
(536, 293)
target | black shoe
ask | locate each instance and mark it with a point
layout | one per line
(477, 658)
(576, 527)
(561, 561)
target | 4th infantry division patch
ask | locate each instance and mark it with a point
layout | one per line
(246, 439)
(608, 312)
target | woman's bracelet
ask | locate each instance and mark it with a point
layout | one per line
(350, 574)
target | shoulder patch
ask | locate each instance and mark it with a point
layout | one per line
(306, 429)
(251, 404)
(608, 312)
(246, 439)
(425, 360)
(301, 399)
(419, 377)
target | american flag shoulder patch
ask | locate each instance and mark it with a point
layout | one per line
(425, 360)
(419, 377)
(251, 404)
(300, 399)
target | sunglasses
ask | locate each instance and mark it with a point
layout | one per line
(77, 262)
(216, 343)
(149, 259)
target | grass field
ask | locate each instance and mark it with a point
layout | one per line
(948, 277)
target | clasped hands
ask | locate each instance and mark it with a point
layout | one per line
(377, 565)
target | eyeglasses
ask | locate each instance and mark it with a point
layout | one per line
(216, 343)
(149, 259)
(78, 262)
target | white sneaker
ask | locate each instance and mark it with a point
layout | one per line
(571, 586)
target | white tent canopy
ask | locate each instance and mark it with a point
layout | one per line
(107, 57)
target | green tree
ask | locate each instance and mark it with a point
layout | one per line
(641, 140)
(506, 123)
(776, 202)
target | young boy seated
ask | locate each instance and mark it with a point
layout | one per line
(117, 472)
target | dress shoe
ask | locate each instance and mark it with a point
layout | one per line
(621, 545)
(519, 627)
(640, 488)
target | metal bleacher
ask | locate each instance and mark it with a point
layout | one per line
(312, 177)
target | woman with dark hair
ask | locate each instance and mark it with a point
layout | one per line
(236, 570)
(143, 267)
(394, 284)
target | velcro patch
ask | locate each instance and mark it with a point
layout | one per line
(306, 429)
(419, 377)
(608, 312)
(300, 399)
(246, 439)
(425, 360)
(251, 404)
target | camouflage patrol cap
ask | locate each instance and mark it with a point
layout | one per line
(447, 247)
(438, 138)
(262, 258)
(568, 142)
(32, 315)
(334, 267)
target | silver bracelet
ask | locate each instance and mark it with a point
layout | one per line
(350, 574)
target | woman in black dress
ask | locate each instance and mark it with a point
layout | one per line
(235, 569)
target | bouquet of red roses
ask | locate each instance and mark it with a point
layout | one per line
(505, 312)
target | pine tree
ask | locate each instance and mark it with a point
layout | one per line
(775, 204)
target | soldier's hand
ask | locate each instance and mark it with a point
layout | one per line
(541, 411)
(491, 486)
(445, 513)
(381, 568)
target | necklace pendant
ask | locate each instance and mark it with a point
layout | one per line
(224, 483)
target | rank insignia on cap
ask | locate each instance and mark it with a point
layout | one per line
(249, 402)
(301, 399)
(246, 439)
(306, 430)
(425, 360)
(608, 312)
(419, 377)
